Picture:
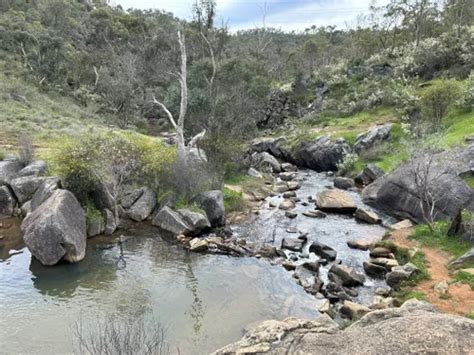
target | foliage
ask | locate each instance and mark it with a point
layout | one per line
(2, 155)
(25, 149)
(466, 101)
(437, 98)
(233, 200)
(465, 278)
(92, 213)
(347, 164)
(439, 238)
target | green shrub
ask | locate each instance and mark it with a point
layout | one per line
(233, 200)
(2, 155)
(437, 99)
(466, 101)
(465, 278)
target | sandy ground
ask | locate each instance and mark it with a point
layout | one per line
(461, 297)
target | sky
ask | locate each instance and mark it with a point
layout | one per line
(287, 15)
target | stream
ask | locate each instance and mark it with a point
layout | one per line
(202, 301)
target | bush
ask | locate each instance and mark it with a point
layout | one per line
(437, 99)
(25, 149)
(466, 102)
(2, 155)
(233, 200)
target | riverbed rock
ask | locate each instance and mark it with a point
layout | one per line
(359, 244)
(110, 222)
(197, 222)
(308, 279)
(198, 245)
(287, 176)
(374, 270)
(414, 328)
(288, 167)
(44, 191)
(286, 204)
(131, 197)
(335, 201)
(212, 202)
(143, 207)
(315, 214)
(8, 170)
(265, 162)
(291, 214)
(405, 224)
(463, 260)
(354, 310)
(25, 187)
(380, 252)
(95, 227)
(322, 154)
(347, 275)
(35, 168)
(293, 185)
(254, 173)
(367, 176)
(312, 266)
(294, 244)
(56, 229)
(8, 202)
(343, 183)
(396, 193)
(289, 194)
(387, 263)
(372, 137)
(400, 274)
(322, 250)
(367, 216)
(171, 221)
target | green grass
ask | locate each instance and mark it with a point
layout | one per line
(458, 126)
(465, 278)
(439, 239)
(233, 200)
(470, 315)
(406, 294)
(236, 179)
(469, 181)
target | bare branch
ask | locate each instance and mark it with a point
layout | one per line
(168, 113)
(213, 60)
(196, 138)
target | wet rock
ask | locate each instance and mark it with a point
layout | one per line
(56, 230)
(325, 307)
(267, 251)
(95, 227)
(212, 202)
(287, 176)
(315, 214)
(359, 244)
(291, 214)
(286, 205)
(367, 216)
(195, 220)
(198, 245)
(308, 280)
(335, 201)
(171, 221)
(354, 310)
(464, 260)
(35, 168)
(387, 263)
(343, 183)
(292, 230)
(370, 173)
(143, 206)
(110, 222)
(9, 170)
(8, 202)
(289, 194)
(382, 291)
(380, 252)
(348, 276)
(288, 265)
(406, 223)
(312, 266)
(400, 274)
(44, 191)
(323, 154)
(25, 187)
(272, 204)
(293, 185)
(372, 137)
(294, 244)
(374, 270)
(322, 250)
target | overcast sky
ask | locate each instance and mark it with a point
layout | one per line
(284, 14)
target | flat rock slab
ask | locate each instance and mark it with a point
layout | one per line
(294, 244)
(335, 200)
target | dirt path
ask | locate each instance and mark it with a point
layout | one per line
(461, 297)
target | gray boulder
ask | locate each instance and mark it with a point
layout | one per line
(131, 197)
(370, 173)
(414, 328)
(273, 146)
(400, 274)
(463, 260)
(322, 250)
(396, 194)
(197, 222)
(143, 206)
(372, 137)
(293, 244)
(35, 168)
(44, 191)
(8, 202)
(110, 222)
(171, 221)
(367, 216)
(212, 202)
(347, 275)
(56, 229)
(335, 200)
(323, 154)
(95, 227)
(25, 187)
(8, 170)
(343, 183)
(265, 162)
(102, 197)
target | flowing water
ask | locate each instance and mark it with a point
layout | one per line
(202, 301)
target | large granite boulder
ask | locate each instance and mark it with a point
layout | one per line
(182, 221)
(212, 202)
(197, 221)
(56, 230)
(397, 193)
(323, 154)
(372, 137)
(367, 176)
(8, 170)
(35, 168)
(25, 187)
(322, 250)
(347, 275)
(265, 162)
(414, 328)
(8, 202)
(335, 200)
(143, 206)
(102, 197)
(44, 191)
(273, 146)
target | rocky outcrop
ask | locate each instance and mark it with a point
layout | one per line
(35, 168)
(414, 328)
(212, 202)
(367, 176)
(181, 222)
(8, 170)
(25, 187)
(44, 191)
(56, 230)
(265, 162)
(463, 260)
(323, 251)
(397, 194)
(142, 208)
(323, 154)
(336, 201)
(280, 107)
(273, 146)
(372, 137)
(347, 275)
